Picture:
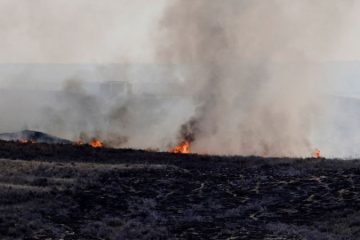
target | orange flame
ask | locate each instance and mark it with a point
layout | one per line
(317, 153)
(183, 147)
(95, 143)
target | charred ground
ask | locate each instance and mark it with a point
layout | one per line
(77, 192)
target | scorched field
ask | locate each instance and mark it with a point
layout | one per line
(79, 192)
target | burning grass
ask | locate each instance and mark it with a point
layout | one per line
(96, 143)
(183, 147)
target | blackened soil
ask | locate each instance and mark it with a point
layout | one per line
(77, 192)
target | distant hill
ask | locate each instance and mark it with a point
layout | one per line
(33, 136)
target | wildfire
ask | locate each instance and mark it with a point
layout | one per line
(95, 143)
(183, 147)
(26, 141)
(317, 153)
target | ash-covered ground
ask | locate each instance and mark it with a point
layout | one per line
(77, 192)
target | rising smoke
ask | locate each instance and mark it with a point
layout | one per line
(250, 66)
(245, 79)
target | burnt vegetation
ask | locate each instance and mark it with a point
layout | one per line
(78, 192)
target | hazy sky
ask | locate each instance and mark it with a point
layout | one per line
(94, 31)
(78, 31)
(106, 31)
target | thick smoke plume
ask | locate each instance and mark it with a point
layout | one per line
(250, 66)
(231, 77)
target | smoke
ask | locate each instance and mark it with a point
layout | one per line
(251, 68)
(232, 77)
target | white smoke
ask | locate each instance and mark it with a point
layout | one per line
(251, 66)
(245, 75)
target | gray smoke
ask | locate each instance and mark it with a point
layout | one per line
(119, 119)
(250, 66)
(236, 77)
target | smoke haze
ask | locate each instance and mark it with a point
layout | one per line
(251, 68)
(234, 77)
